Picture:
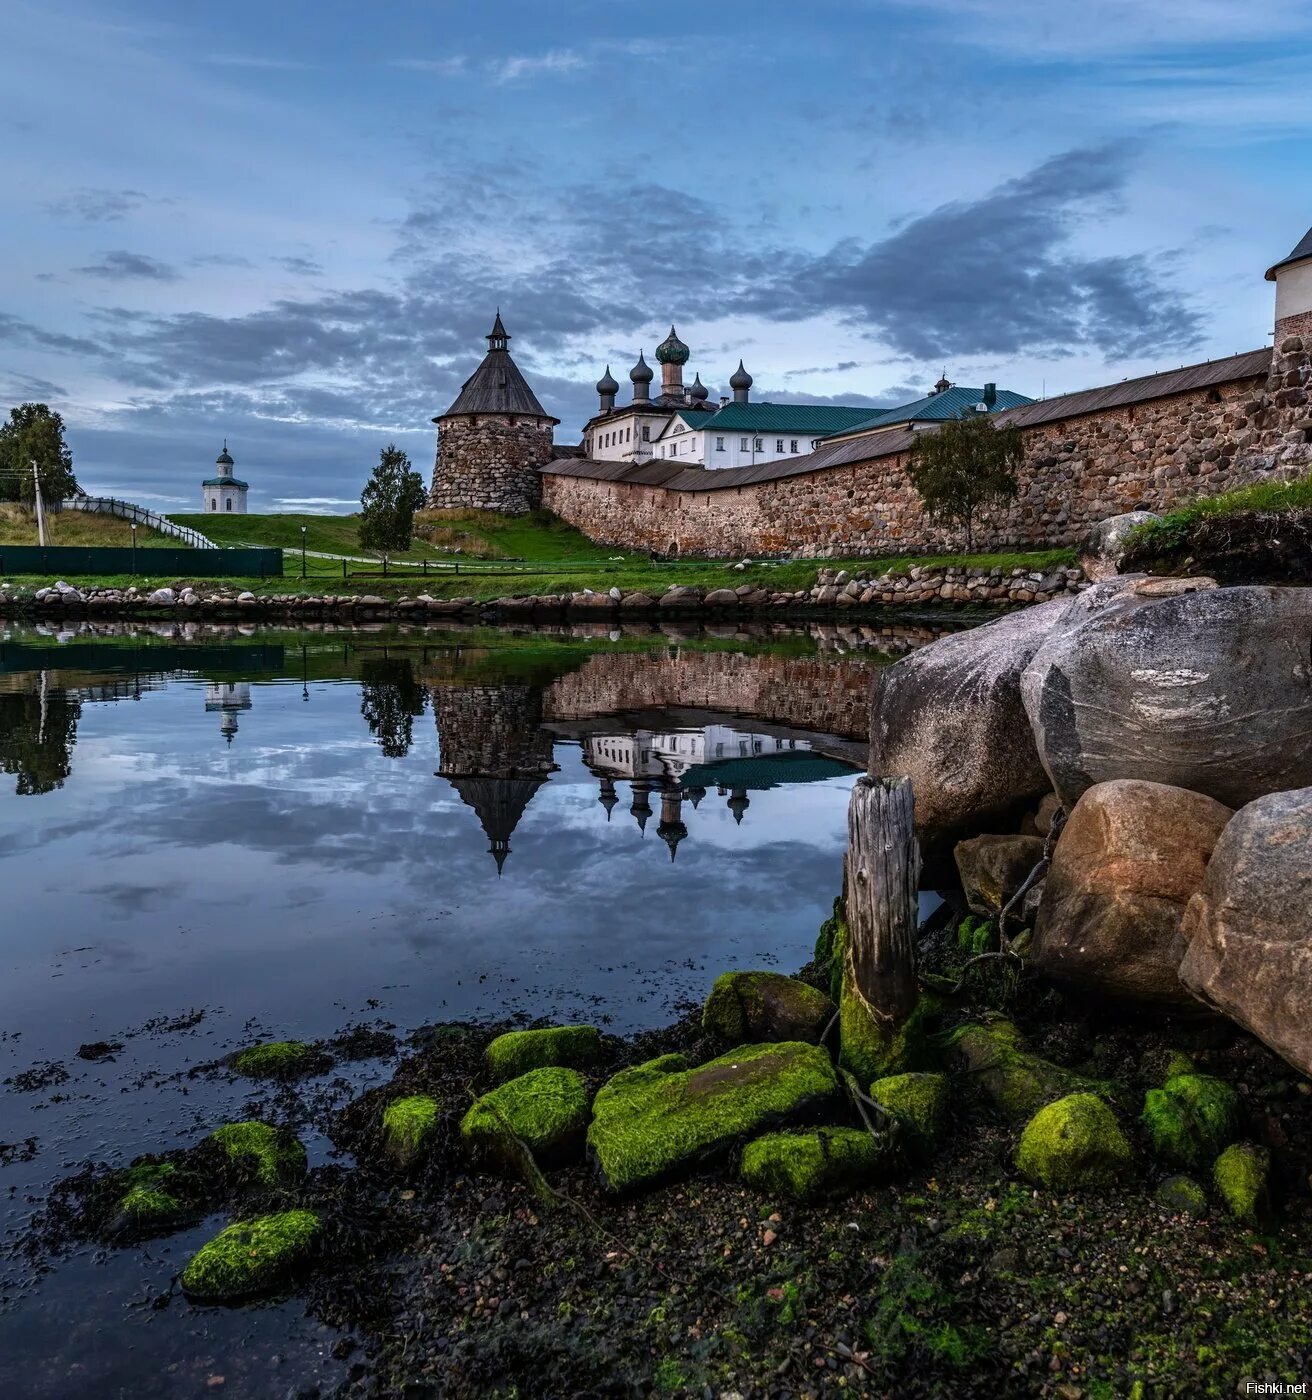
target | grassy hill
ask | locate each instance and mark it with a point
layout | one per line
(76, 527)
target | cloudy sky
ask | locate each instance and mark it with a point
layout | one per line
(292, 223)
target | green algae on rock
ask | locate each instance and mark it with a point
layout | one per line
(152, 1199)
(760, 1006)
(661, 1117)
(260, 1152)
(1240, 1174)
(918, 1101)
(1191, 1118)
(409, 1125)
(871, 1049)
(276, 1059)
(251, 1256)
(831, 948)
(517, 1052)
(1183, 1195)
(1073, 1144)
(808, 1166)
(546, 1109)
(1017, 1081)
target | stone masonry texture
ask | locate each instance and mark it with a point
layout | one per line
(490, 462)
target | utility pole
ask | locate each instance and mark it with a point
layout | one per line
(40, 512)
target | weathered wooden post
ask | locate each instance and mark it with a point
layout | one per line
(881, 885)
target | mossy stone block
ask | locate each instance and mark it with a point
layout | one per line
(275, 1059)
(251, 1257)
(546, 1109)
(808, 1166)
(151, 1201)
(1018, 1082)
(661, 1118)
(261, 1153)
(1182, 1194)
(409, 1127)
(1074, 1144)
(760, 1006)
(1191, 1118)
(919, 1101)
(1240, 1174)
(517, 1052)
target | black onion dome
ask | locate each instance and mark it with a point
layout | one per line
(642, 372)
(672, 351)
(698, 392)
(606, 385)
(223, 459)
(740, 379)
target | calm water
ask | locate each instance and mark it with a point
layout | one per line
(209, 836)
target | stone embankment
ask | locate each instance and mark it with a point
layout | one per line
(833, 590)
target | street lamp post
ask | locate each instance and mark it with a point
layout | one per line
(134, 548)
(302, 551)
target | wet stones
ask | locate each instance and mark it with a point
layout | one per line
(251, 1256)
(1074, 1144)
(809, 1166)
(546, 1110)
(517, 1052)
(759, 1006)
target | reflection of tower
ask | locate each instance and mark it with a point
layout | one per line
(672, 830)
(608, 797)
(695, 795)
(494, 752)
(641, 805)
(738, 803)
(225, 698)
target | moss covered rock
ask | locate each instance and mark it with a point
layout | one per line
(920, 1103)
(1074, 1144)
(409, 1127)
(546, 1109)
(1017, 1081)
(660, 1118)
(152, 1199)
(1191, 1118)
(517, 1052)
(277, 1059)
(1240, 1174)
(259, 1152)
(1182, 1194)
(758, 1006)
(251, 1257)
(871, 1049)
(807, 1166)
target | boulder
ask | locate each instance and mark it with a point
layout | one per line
(1208, 689)
(259, 1152)
(993, 868)
(1101, 550)
(409, 1129)
(1129, 859)
(809, 1166)
(1181, 1194)
(545, 1109)
(1191, 1118)
(756, 1006)
(722, 598)
(1248, 931)
(1018, 1082)
(920, 1102)
(161, 596)
(1240, 1174)
(517, 1052)
(251, 1256)
(660, 1118)
(1074, 1144)
(279, 1059)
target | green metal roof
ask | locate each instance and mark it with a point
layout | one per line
(816, 419)
(935, 408)
(224, 481)
(759, 772)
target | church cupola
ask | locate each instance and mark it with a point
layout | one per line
(672, 354)
(741, 384)
(942, 385)
(699, 393)
(640, 376)
(607, 388)
(498, 337)
(224, 460)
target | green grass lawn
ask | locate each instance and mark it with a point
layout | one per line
(76, 527)
(1172, 531)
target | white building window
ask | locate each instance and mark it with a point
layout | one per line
(778, 444)
(793, 446)
(214, 505)
(742, 444)
(815, 442)
(227, 505)
(756, 444)
(719, 444)
(646, 433)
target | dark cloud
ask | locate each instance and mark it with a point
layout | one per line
(97, 206)
(997, 275)
(120, 265)
(220, 260)
(15, 331)
(303, 267)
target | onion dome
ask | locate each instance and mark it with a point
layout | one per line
(698, 393)
(642, 372)
(607, 385)
(223, 459)
(943, 383)
(672, 351)
(740, 379)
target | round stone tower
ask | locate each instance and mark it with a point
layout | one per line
(492, 440)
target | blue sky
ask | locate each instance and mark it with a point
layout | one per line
(291, 224)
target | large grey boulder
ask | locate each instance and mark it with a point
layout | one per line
(950, 718)
(1127, 862)
(1194, 686)
(1101, 550)
(1249, 929)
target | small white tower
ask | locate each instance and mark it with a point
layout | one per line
(224, 492)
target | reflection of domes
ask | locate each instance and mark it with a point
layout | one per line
(499, 803)
(740, 379)
(606, 385)
(671, 350)
(642, 372)
(738, 803)
(699, 392)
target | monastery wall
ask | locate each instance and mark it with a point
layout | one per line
(490, 462)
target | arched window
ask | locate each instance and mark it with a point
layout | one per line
(227, 505)
(214, 505)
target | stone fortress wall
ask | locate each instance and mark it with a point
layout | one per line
(490, 462)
